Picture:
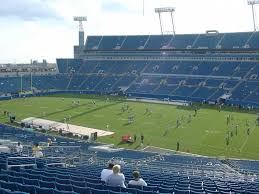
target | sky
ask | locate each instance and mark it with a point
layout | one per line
(44, 29)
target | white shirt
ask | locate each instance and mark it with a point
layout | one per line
(19, 149)
(140, 182)
(105, 173)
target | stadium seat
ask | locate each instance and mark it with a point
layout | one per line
(150, 188)
(64, 187)
(115, 192)
(40, 190)
(46, 184)
(129, 190)
(4, 177)
(78, 183)
(48, 179)
(135, 186)
(98, 191)
(94, 185)
(26, 188)
(34, 182)
(179, 191)
(55, 191)
(145, 192)
(112, 188)
(8, 185)
(63, 181)
(81, 190)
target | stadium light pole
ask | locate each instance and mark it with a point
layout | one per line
(21, 83)
(253, 3)
(170, 10)
(31, 80)
(81, 19)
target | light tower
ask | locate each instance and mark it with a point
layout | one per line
(252, 3)
(81, 19)
(170, 10)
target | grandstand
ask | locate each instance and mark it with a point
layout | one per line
(194, 67)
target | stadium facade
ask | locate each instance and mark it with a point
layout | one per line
(194, 67)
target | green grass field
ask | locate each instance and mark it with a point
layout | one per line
(205, 134)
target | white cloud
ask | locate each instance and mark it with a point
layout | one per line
(47, 38)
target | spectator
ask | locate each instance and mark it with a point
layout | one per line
(107, 172)
(19, 148)
(116, 179)
(37, 151)
(49, 143)
(137, 180)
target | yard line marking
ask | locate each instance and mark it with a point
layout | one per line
(78, 112)
(247, 137)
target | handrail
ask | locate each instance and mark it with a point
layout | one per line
(8, 166)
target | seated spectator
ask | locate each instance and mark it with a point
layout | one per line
(19, 148)
(116, 179)
(137, 180)
(37, 151)
(106, 172)
(49, 143)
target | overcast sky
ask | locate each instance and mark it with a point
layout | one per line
(44, 29)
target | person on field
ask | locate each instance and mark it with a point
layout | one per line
(177, 146)
(142, 138)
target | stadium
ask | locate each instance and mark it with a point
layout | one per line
(182, 109)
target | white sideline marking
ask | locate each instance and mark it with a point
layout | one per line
(78, 112)
(247, 137)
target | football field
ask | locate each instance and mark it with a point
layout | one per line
(162, 125)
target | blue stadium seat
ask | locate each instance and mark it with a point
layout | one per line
(34, 182)
(55, 191)
(63, 181)
(46, 184)
(135, 186)
(64, 187)
(8, 185)
(81, 190)
(26, 188)
(15, 179)
(78, 183)
(99, 191)
(115, 192)
(48, 179)
(40, 190)
(4, 177)
(112, 188)
(129, 190)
